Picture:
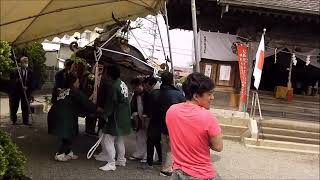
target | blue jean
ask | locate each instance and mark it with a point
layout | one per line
(180, 175)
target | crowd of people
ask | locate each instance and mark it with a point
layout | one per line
(172, 124)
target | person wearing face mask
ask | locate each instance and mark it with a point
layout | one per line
(194, 130)
(26, 84)
(63, 116)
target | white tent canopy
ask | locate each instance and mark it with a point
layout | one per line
(35, 20)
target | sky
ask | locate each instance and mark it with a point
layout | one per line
(181, 41)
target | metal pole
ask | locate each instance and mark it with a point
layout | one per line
(195, 29)
(154, 38)
(259, 106)
(164, 51)
(252, 102)
(249, 76)
(168, 34)
(289, 85)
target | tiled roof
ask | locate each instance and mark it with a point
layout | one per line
(300, 6)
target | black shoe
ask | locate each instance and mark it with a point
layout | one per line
(27, 124)
(165, 174)
(91, 134)
(145, 166)
(157, 163)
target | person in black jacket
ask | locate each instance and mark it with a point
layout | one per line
(60, 79)
(139, 120)
(161, 100)
(26, 84)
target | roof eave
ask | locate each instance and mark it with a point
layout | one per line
(288, 9)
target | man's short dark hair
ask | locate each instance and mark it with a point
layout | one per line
(136, 82)
(114, 72)
(167, 78)
(197, 83)
(70, 80)
(68, 63)
(150, 80)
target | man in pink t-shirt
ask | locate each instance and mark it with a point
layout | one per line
(193, 130)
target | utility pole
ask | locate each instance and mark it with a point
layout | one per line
(195, 30)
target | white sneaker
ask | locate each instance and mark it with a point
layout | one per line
(72, 156)
(100, 157)
(62, 157)
(108, 167)
(120, 163)
(143, 161)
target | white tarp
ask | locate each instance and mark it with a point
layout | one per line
(35, 20)
(218, 46)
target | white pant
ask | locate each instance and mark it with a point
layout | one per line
(112, 145)
(166, 153)
(141, 144)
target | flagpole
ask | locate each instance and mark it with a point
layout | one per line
(257, 68)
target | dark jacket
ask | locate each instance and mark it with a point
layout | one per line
(63, 115)
(16, 83)
(161, 101)
(145, 96)
(60, 81)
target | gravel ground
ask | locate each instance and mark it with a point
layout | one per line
(235, 162)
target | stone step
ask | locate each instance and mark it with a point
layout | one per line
(311, 114)
(290, 108)
(232, 138)
(233, 121)
(289, 139)
(290, 132)
(291, 124)
(282, 146)
(290, 115)
(232, 130)
(297, 99)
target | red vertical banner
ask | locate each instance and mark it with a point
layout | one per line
(242, 50)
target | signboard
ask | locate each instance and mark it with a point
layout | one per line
(208, 70)
(225, 72)
(243, 64)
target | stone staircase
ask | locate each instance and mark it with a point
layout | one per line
(302, 107)
(287, 135)
(234, 125)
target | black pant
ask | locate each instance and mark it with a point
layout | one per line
(153, 141)
(65, 146)
(14, 102)
(91, 122)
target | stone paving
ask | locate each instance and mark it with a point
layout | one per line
(235, 162)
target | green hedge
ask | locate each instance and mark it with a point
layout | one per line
(12, 160)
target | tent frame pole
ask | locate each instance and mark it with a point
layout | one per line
(169, 42)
